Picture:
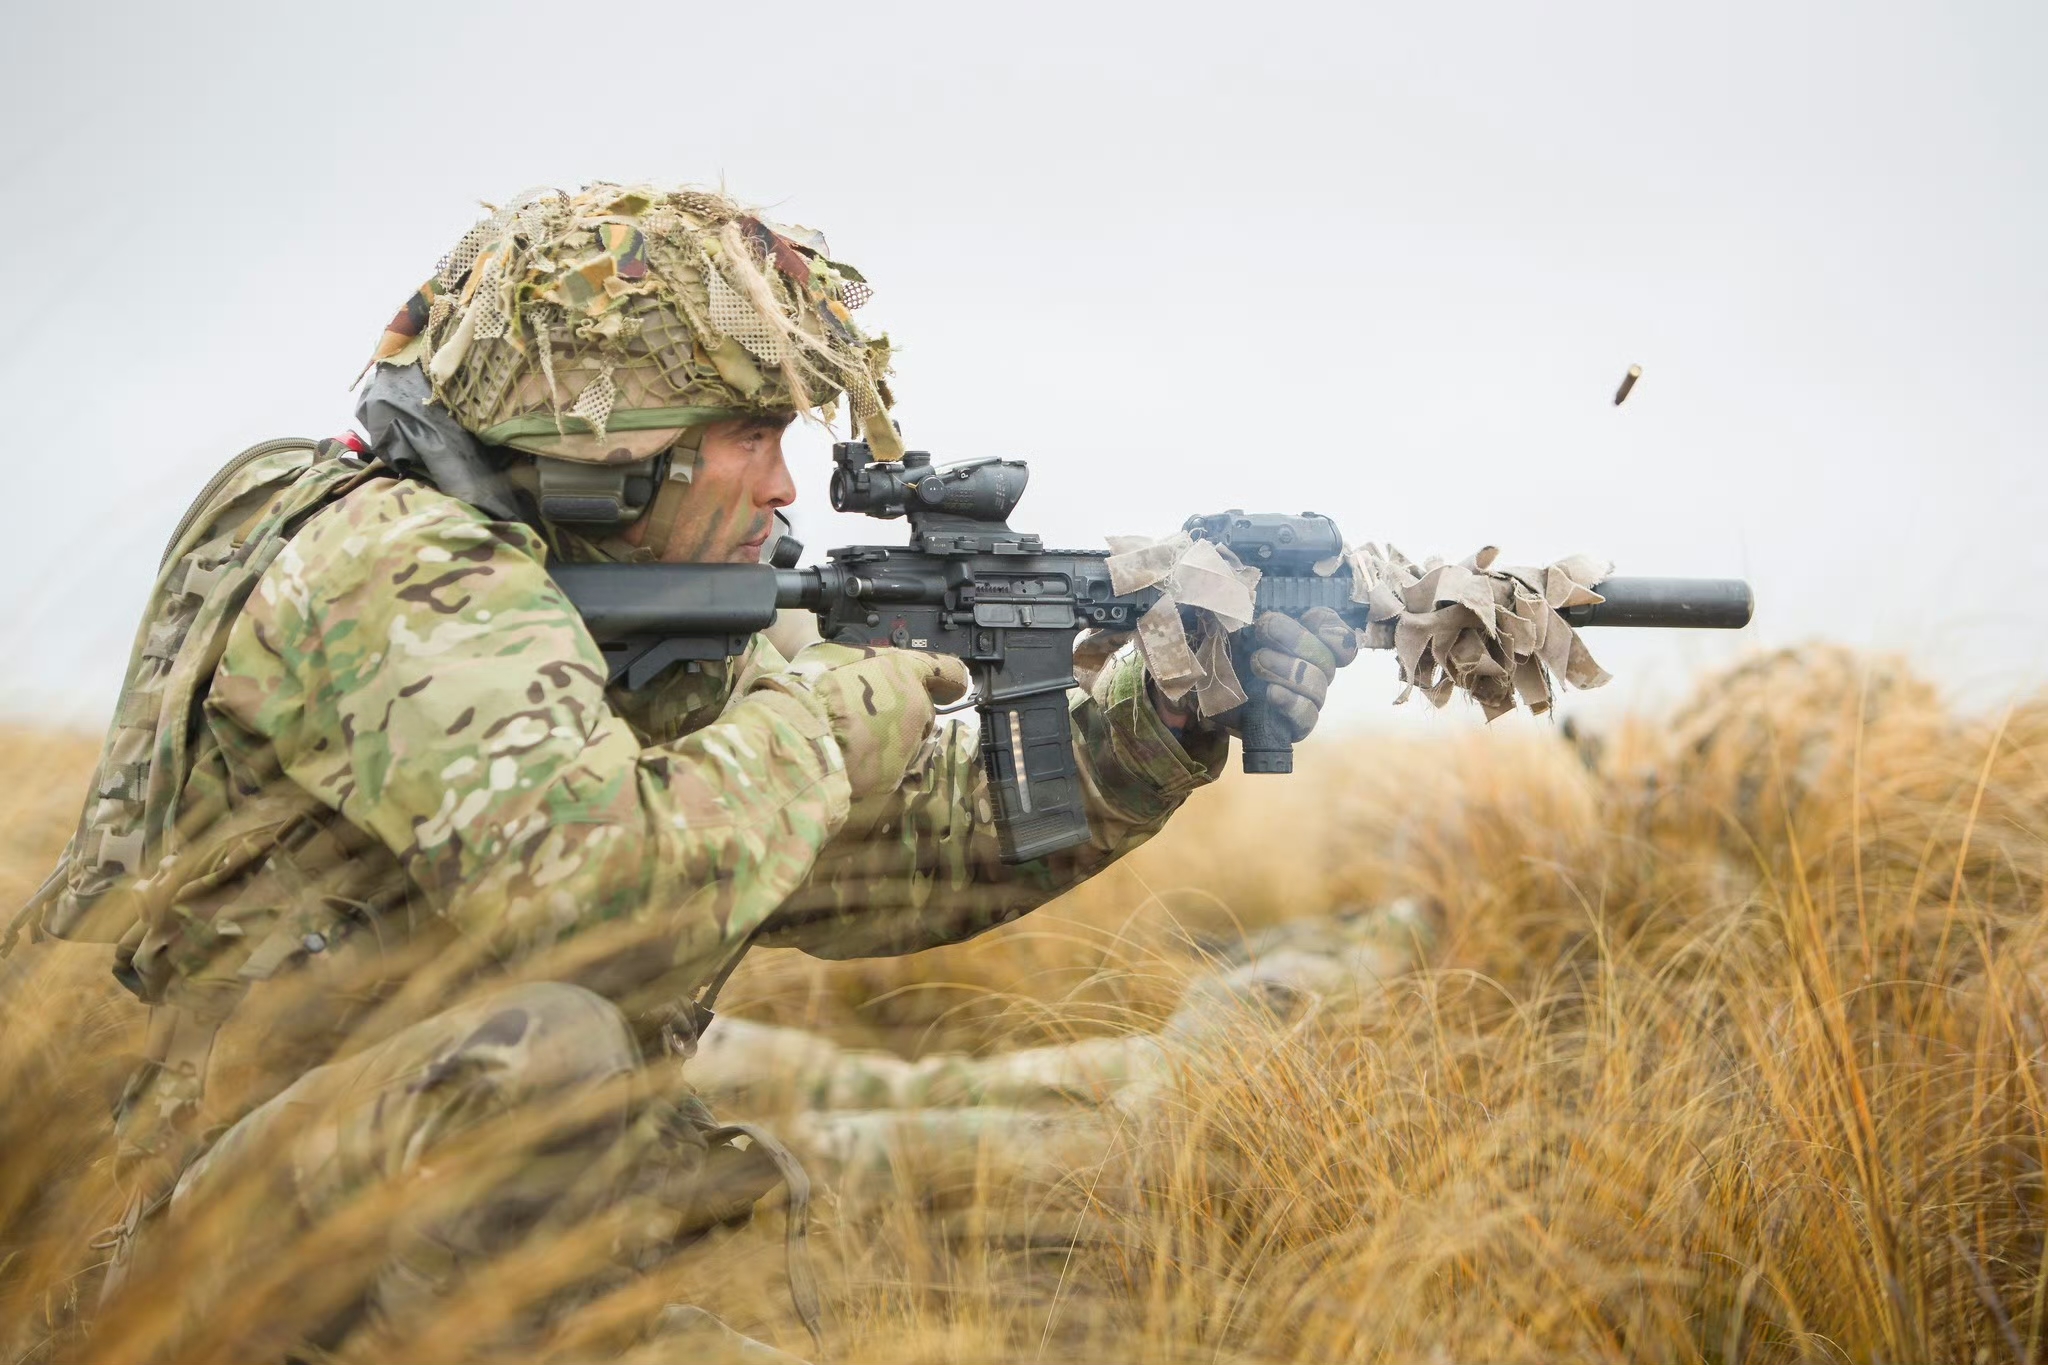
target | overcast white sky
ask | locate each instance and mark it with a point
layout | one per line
(1384, 261)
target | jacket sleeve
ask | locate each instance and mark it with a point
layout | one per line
(413, 666)
(921, 868)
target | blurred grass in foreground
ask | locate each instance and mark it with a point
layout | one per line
(1731, 1054)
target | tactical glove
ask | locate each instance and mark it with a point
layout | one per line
(1294, 661)
(1291, 665)
(880, 703)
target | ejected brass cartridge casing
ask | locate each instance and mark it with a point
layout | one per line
(1628, 381)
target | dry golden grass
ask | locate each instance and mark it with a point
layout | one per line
(1732, 1053)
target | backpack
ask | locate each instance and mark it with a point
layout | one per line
(138, 814)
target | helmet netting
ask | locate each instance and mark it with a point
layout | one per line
(619, 298)
(734, 315)
(595, 404)
(489, 302)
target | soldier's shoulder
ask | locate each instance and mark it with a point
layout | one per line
(403, 520)
(395, 574)
(394, 548)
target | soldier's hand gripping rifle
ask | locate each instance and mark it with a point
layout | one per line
(970, 586)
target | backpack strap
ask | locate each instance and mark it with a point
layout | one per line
(681, 1035)
(170, 1078)
(699, 1011)
(32, 909)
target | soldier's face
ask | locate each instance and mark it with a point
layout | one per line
(728, 511)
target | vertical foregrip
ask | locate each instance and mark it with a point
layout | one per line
(1268, 746)
(1268, 740)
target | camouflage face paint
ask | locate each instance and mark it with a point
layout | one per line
(728, 509)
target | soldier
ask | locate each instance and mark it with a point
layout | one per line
(366, 761)
(952, 1124)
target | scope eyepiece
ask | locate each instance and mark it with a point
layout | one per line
(863, 486)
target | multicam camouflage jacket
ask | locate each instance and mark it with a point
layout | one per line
(361, 715)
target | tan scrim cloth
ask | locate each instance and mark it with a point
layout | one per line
(1218, 592)
(598, 326)
(1493, 632)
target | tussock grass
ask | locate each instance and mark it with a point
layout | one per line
(1732, 1052)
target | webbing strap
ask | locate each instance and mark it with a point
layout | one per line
(180, 1043)
(796, 1246)
(700, 1008)
(29, 913)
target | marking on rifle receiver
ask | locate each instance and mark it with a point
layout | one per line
(1628, 381)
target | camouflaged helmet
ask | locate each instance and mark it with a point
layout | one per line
(598, 327)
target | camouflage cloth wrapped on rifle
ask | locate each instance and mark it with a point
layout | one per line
(1491, 631)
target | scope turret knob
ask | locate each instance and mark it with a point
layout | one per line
(931, 491)
(917, 459)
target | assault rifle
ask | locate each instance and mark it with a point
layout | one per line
(969, 586)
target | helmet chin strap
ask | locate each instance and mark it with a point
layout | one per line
(662, 514)
(661, 517)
